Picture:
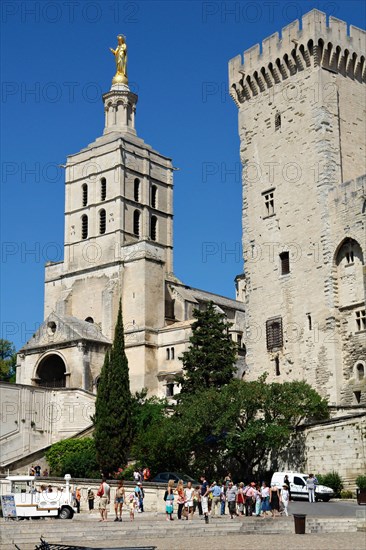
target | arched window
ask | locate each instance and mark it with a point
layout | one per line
(102, 222)
(89, 320)
(349, 263)
(51, 372)
(136, 190)
(154, 196)
(277, 121)
(136, 223)
(84, 227)
(85, 194)
(360, 371)
(103, 189)
(153, 228)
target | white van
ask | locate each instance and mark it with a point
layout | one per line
(30, 503)
(298, 486)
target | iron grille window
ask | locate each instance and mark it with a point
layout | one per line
(274, 333)
(102, 222)
(153, 227)
(285, 263)
(136, 223)
(136, 190)
(85, 194)
(84, 227)
(103, 189)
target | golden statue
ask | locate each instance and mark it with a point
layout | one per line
(120, 55)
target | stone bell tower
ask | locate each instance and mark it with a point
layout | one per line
(301, 102)
(118, 244)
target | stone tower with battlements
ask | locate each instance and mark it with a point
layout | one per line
(301, 101)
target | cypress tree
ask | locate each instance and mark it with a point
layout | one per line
(210, 361)
(113, 406)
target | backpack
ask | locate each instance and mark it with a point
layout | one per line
(100, 492)
(165, 494)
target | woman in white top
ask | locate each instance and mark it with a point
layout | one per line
(188, 500)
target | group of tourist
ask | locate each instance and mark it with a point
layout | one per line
(253, 499)
(135, 500)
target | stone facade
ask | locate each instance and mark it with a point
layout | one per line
(302, 130)
(118, 246)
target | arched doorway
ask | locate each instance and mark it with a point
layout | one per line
(51, 372)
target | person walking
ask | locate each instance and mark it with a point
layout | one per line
(204, 497)
(231, 497)
(265, 499)
(241, 499)
(103, 493)
(188, 500)
(169, 500)
(274, 500)
(215, 491)
(310, 484)
(77, 499)
(90, 498)
(285, 497)
(286, 481)
(141, 498)
(119, 500)
(197, 500)
(258, 501)
(180, 498)
(223, 498)
(249, 493)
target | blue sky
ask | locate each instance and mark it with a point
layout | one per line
(55, 66)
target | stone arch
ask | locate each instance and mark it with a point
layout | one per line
(51, 371)
(348, 263)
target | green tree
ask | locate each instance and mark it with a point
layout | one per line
(210, 360)
(8, 359)
(260, 418)
(76, 457)
(113, 407)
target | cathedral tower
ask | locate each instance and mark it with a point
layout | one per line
(118, 244)
(301, 101)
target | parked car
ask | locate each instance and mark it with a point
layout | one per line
(298, 486)
(164, 477)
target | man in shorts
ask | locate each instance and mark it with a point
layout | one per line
(104, 493)
(204, 497)
(119, 500)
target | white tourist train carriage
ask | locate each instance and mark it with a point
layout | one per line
(32, 503)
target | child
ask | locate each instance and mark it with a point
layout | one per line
(258, 501)
(285, 497)
(133, 504)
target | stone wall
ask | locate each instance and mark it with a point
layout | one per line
(33, 418)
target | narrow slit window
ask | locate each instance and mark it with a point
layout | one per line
(310, 324)
(102, 222)
(285, 263)
(277, 121)
(168, 353)
(172, 353)
(153, 228)
(103, 189)
(136, 190)
(154, 196)
(84, 227)
(84, 194)
(277, 366)
(136, 223)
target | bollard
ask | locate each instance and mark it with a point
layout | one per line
(300, 520)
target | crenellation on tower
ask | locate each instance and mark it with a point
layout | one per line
(281, 56)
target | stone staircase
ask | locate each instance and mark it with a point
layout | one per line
(88, 531)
